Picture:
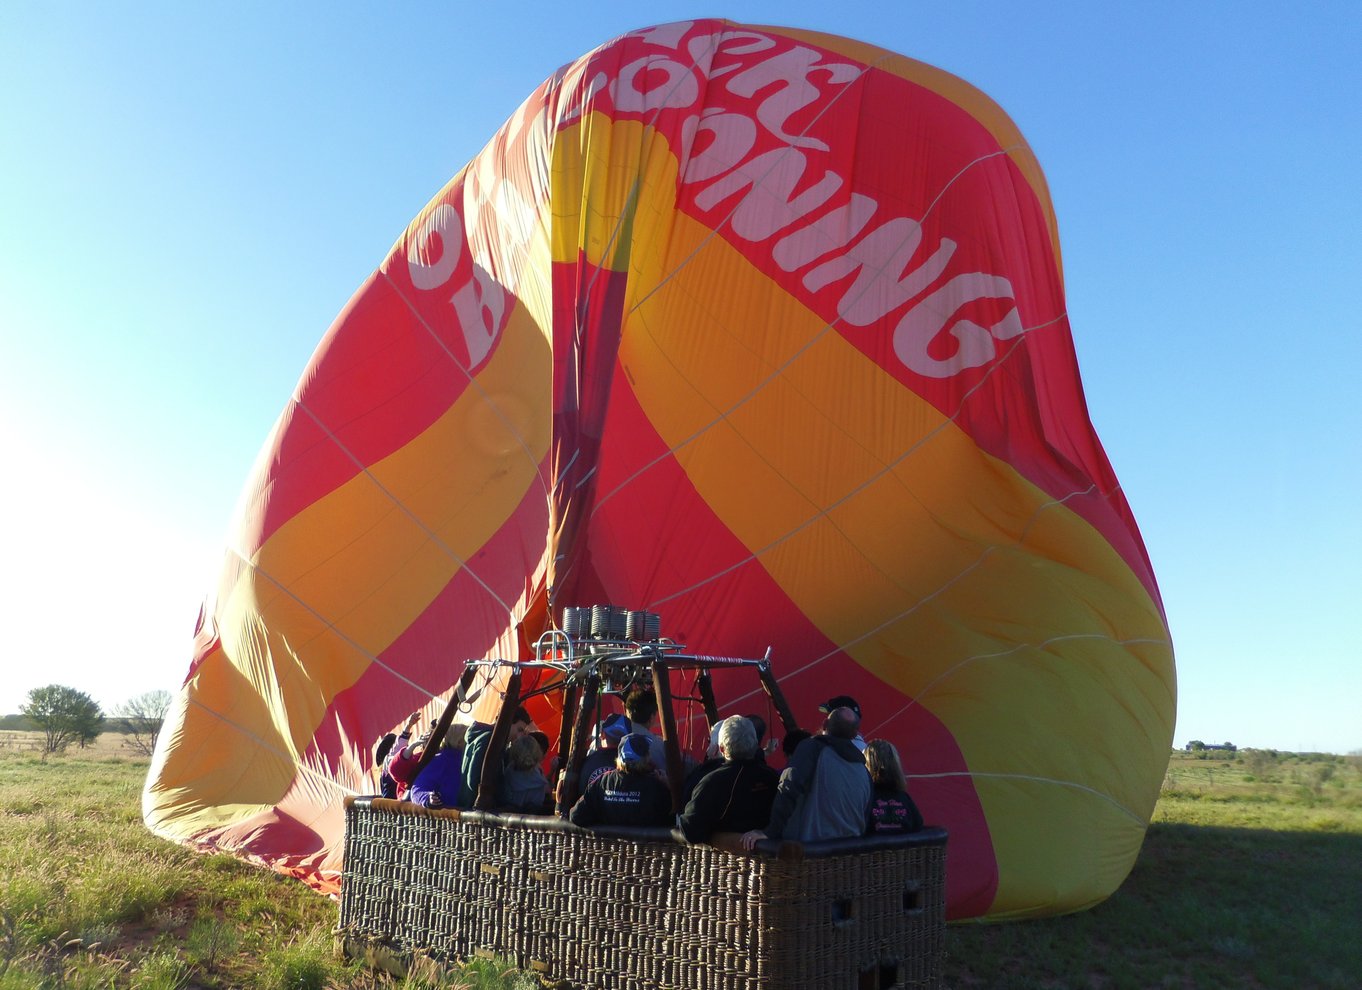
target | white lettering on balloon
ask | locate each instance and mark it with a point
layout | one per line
(721, 161)
(433, 252)
(924, 322)
(479, 302)
(650, 83)
(877, 256)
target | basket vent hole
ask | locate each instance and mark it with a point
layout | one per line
(913, 901)
(843, 911)
(884, 976)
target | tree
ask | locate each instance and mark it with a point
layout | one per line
(141, 718)
(64, 715)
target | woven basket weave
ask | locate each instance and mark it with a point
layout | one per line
(635, 908)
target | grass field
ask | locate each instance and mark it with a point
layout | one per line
(1251, 877)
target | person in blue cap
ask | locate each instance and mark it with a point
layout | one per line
(601, 760)
(631, 795)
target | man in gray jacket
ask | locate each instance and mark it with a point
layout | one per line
(824, 792)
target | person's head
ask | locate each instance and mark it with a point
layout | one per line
(640, 704)
(758, 726)
(792, 740)
(542, 739)
(455, 736)
(525, 753)
(634, 754)
(521, 723)
(737, 738)
(613, 728)
(882, 760)
(712, 750)
(383, 748)
(841, 723)
(841, 701)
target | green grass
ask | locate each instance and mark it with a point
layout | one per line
(1250, 877)
(1240, 884)
(90, 899)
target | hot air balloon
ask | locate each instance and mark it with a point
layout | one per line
(758, 329)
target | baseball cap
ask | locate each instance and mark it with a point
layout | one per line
(616, 727)
(841, 701)
(634, 749)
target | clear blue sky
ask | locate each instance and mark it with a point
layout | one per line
(189, 193)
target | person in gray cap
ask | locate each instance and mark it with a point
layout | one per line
(737, 795)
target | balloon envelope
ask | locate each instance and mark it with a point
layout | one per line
(759, 329)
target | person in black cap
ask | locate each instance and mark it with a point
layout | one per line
(630, 795)
(386, 785)
(824, 792)
(845, 701)
(405, 757)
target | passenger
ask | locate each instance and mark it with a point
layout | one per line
(479, 735)
(791, 742)
(523, 784)
(601, 760)
(737, 796)
(759, 724)
(640, 704)
(845, 701)
(824, 792)
(713, 761)
(405, 757)
(387, 787)
(630, 795)
(439, 784)
(891, 811)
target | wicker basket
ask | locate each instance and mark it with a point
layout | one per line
(636, 908)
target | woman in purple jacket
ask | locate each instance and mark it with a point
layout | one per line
(437, 786)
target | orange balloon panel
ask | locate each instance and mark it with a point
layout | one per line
(758, 329)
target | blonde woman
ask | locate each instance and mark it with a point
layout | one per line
(891, 811)
(523, 784)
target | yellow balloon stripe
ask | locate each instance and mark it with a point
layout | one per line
(913, 533)
(359, 566)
